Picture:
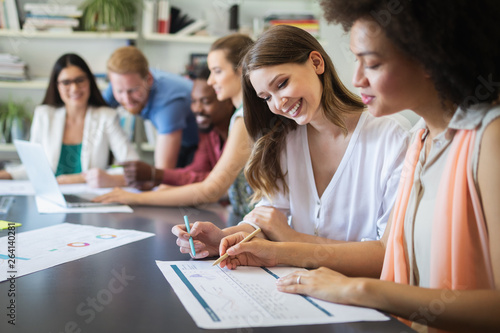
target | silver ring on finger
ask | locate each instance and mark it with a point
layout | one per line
(298, 279)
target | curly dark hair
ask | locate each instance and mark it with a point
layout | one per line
(457, 41)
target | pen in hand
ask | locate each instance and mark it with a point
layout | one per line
(191, 244)
(246, 239)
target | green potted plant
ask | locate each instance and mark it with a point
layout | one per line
(109, 15)
(15, 121)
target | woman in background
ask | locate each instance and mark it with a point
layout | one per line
(227, 176)
(76, 128)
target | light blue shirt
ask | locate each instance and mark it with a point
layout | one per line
(168, 107)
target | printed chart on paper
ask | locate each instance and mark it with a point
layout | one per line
(46, 247)
(247, 297)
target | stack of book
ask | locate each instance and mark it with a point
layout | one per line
(306, 21)
(12, 68)
(51, 17)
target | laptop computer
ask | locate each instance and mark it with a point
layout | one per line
(43, 179)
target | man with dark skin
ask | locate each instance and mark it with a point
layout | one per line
(212, 117)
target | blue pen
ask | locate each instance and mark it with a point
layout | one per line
(190, 238)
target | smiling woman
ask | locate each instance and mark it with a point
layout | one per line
(76, 128)
(323, 170)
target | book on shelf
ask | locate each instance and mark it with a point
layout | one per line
(52, 9)
(12, 68)
(163, 17)
(192, 28)
(51, 17)
(149, 16)
(3, 18)
(178, 20)
(9, 18)
(305, 21)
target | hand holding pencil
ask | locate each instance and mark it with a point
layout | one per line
(246, 239)
(206, 238)
(254, 251)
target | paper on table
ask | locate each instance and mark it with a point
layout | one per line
(47, 247)
(47, 207)
(247, 297)
(16, 187)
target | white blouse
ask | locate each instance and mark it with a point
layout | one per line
(357, 202)
(101, 133)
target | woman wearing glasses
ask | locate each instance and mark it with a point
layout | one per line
(77, 129)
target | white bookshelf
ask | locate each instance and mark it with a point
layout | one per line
(39, 83)
(179, 39)
(69, 35)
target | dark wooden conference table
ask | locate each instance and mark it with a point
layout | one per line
(47, 301)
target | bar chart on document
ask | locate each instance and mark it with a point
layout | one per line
(247, 297)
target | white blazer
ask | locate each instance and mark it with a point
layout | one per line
(101, 133)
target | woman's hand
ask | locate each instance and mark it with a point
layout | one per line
(5, 175)
(98, 178)
(71, 179)
(206, 238)
(118, 195)
(272, 222)
(322, 283)
(255, 252)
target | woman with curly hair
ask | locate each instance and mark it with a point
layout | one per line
(439, 259)
(323, 169)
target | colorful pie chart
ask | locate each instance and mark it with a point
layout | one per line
(106, 236)
(78, 244)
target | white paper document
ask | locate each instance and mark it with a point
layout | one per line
(16, 187)
(247, 297)
(47, 247)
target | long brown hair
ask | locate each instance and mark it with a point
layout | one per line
(281, 45)
(52, 96)
(235, 47)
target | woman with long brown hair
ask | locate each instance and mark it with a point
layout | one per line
(323, 169)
